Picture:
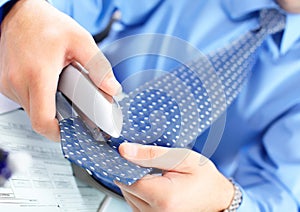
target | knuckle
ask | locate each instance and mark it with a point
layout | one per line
(33, 75)
(189, 160)
(51, 32)
(15, 81)
(81, 35)
(39, 126)
(12, 78)
(87, 36)
(152, 153)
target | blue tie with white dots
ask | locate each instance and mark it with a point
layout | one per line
(172, 110)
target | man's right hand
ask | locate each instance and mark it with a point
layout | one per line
(37, 42)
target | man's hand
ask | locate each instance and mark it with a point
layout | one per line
(292, 6)
(37, 42)
(190, 182)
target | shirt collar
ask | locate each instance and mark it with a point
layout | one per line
(238, 9)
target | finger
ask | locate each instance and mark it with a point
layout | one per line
(124, 187)
(137, 199)
(10, 96)
(7, 90)
(42, 108)
(171, 159)
(100, 71)
(149, 189)
(135, 203)
(22, 98)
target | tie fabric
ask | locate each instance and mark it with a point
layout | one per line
(172, 110)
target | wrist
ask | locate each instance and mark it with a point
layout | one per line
(226, 194)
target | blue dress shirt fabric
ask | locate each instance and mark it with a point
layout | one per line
(261, 141)
(2, 3)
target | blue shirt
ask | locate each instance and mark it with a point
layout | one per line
(261, 141)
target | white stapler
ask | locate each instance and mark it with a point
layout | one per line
(94, 105)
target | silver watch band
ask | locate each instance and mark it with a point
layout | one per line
(237, 198)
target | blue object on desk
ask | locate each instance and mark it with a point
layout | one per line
(11, 163)
(5, 170)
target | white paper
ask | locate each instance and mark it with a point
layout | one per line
(6, 105)
(48, 185)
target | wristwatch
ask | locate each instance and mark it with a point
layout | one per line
(237, 198)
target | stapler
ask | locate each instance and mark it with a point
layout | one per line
(95, 106)
(78, 96)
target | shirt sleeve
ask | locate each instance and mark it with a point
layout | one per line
(92, 15)
(2, 6)
(269, 171)
(95, 15)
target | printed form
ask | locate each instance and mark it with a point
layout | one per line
(48, 185)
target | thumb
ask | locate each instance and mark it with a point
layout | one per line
(100, 71)
(170, 159)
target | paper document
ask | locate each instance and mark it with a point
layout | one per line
(7, 105)
(49, 184)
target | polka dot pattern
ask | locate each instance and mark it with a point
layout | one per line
(175, 108)
(171, 110)
(97, 157)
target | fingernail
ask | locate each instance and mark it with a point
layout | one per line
(118, 183)
(114, 85)
(130, 149)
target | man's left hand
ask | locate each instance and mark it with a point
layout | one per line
(189, 181)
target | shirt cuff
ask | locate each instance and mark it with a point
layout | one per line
(5, 7)
(248, 204)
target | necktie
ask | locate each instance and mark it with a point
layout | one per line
(172, 110)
